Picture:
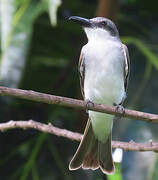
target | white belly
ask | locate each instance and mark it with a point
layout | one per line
(104, 82)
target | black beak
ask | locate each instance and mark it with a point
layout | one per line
(82, 21)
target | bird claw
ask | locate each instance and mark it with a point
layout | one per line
(87, 104)
(120, 109)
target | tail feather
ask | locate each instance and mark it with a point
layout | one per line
(105, 156)
(86, 150)
(90, 160)
(92, 154)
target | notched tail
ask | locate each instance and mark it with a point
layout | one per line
(92, 154)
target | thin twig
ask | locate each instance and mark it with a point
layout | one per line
(74, 103)
(127, 146)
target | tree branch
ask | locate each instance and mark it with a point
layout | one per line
(69, 102)
(74, 103)
(46, 128)
(131, 146)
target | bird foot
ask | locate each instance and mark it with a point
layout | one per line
(88, 102)
(120, 109)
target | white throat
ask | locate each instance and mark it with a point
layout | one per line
(98, 34)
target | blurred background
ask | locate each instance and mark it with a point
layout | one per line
(39, 51)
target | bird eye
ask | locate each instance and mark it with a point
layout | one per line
(103, 23)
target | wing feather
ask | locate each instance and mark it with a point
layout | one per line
(81, 70)
(126, 66)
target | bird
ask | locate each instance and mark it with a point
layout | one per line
(104, 72)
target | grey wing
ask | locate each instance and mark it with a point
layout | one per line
(126, 66)
(81, 70)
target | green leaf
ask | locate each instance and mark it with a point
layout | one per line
(31, 161)
(117, 175)
(16, 21)
(143, 48)
(53, 6)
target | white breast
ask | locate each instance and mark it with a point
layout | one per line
(104, 63)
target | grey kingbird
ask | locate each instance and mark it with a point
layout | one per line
(104, 72)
